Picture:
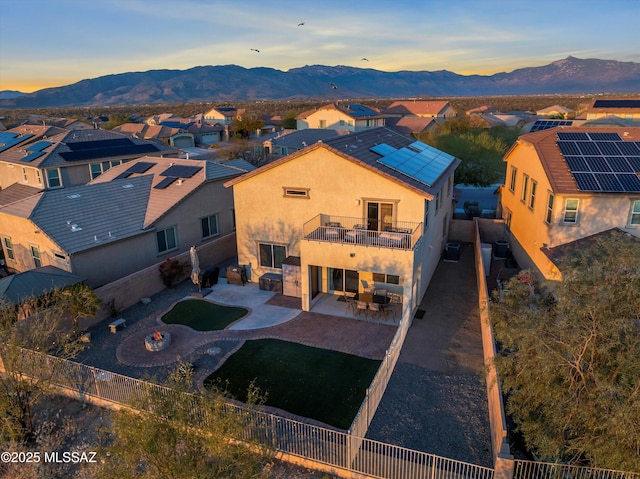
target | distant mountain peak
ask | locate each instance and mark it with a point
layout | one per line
(229, 83)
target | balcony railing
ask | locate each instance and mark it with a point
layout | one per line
(347, 230)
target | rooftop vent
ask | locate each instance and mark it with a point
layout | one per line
(128, 185)
(73, 196)
(75, 227)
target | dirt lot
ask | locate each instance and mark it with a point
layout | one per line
(73, 426)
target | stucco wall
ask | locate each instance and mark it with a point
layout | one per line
(11, 173)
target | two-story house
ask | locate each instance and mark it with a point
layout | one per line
(133, 216)
(290, 141)
(341, 116)
(626, 108)
(564, 184)
(223, 115)
(49, 157)
(369, 209)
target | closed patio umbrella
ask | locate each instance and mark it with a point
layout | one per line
(195, 266)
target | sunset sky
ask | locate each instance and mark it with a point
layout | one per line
(48, 43)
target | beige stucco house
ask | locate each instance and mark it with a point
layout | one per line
(51, 157)
(223, 115)
(131, 217)
(341, 116)
(626, 108)
(369, 209)
(564, 184)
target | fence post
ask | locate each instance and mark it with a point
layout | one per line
(504, 464)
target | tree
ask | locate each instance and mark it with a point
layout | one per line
(246, 126)
(570, 357)
(79, 301)
(27, 374)
(171, 438)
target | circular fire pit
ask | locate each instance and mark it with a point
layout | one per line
(157, 341)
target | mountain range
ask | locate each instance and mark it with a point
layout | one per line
(229, 83)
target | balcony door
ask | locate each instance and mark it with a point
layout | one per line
(379, 215)
(344, 280)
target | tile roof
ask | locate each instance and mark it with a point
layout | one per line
(35, 282)
(356, 147)
(302, 138)
(17, 192)
(410, 124)
(64, 143)
(354, 110)
(553, 162)
(614, 105)
(415, 107)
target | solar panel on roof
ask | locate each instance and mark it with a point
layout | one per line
(39, 146)
(630, 148)
(181, 171)
(586, 182)
(619, 164)
(608, 148)
(99, 144)
(540, 125)
(608, 182)
(91, 154)
(587, 148)
(140, 167)
(425, 166)
(576, 163)
(630, 181)
(606, 136)
(597, 164)
(568, 148)
(9, 139)
(32, 156)
(383, 149)
(572, 136)
(165, 182)
(126, 174)
(634, 161)
(623, 103)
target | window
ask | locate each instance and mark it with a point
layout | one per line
(635, 213)
(549, 216)
(386, 278)
(570, 211)
(272, 255)
(166, 239)
(35, 254)
(514, 175)
(525, 186)
(296, 192)
(209, 226)
(53, 178)
(323, 124)
(25, 177)
(95, 170)
(39, 177)
(507, 218)
(233, 217)
(8, 248)
(438, 200)
(341, 122)
(60, 257)
(426, 214)
(532, 193)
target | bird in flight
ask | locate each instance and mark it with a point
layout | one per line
(300, 24)
(255, 50)
(334, 86)
(365, 59)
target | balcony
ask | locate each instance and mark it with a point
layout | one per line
(404, 235)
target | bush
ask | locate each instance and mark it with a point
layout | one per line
(172, 271)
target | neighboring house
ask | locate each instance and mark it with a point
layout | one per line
(132, 217)
(341, 116)
(484, 109)
(222, 115)
(564, 184)
(66, 123)
(202, 133)
(421, 108)
(557, 111)
(409, 125)
(17, 289)
(174, 137)
(290, 141)
(371, 207)
(626, 108)
(50, 157)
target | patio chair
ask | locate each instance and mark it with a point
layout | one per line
(351, 303)
(366, 287)
(388, 308)
(375, 308)
(361, 307)
(380, 292)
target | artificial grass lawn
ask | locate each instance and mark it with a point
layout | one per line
(315, 383)
(203, 315)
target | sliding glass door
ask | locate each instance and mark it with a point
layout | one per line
(344, 280)
(379, 215)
